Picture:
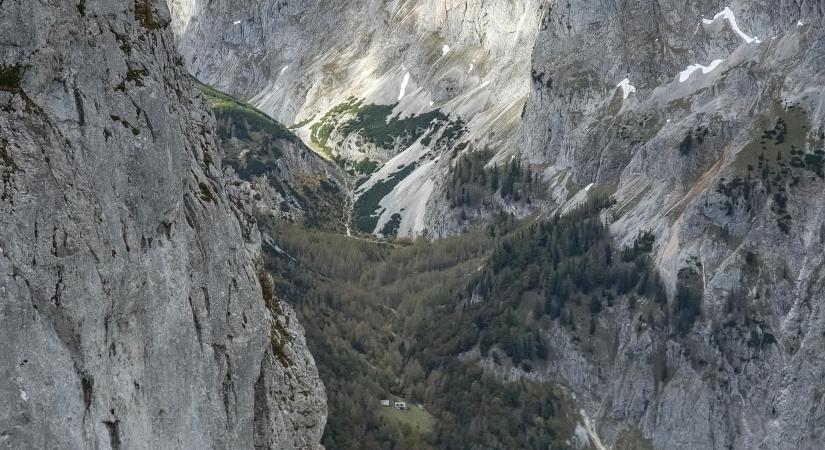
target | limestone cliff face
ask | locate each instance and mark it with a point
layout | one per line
(133, 313)
(723, 164)
(299, 58)
(301, 61)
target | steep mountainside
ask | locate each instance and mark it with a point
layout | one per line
(701, 121)
(282, 176)
(723, 163)
(403, 86)
(134, 309)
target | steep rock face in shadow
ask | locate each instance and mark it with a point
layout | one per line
(134, 310)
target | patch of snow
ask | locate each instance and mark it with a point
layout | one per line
(445, 49)
(589, 186)
(685, 74)
(626, 87)
(404, 84)
(582, 438)
(578, 199)
(799, 24)
(237, 22)
(412, 154)
(284, 69)
(727, 14)
(409, 199)
(24, 395)
(432, 103)
(271, 242)
(471, 69)
(590, 426)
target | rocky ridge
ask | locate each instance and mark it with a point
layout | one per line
(278, 174)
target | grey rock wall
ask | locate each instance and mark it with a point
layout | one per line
(746, 375)
(132, 313)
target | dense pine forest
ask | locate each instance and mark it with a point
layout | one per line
(410, 319)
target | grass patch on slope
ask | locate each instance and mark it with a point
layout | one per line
(375, 124)
(417, 419)
(321, 131)
(775, 163)
(786, 140)
(244, 118)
